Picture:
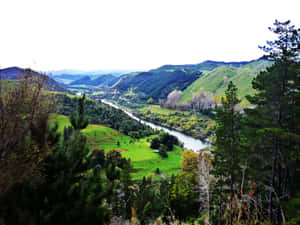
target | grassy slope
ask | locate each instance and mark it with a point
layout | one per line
(216, 80)
(143, 159)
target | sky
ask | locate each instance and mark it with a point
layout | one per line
(135, 34)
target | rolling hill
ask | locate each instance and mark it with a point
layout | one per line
(216, 81)
(103, 80)
(15, 73)
(210, 76)
(156, 84)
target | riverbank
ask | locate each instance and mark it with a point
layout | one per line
(189, 142)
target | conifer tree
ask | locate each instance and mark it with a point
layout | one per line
(273, 127)
(79, 121)
(227, 152)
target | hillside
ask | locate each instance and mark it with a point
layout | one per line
(156, 84)
(209, 75)
(215, 81)
(103, 80)
(14, 73)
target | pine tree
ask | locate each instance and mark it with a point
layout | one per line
(273, 127)
(79, 121)
(227, 152)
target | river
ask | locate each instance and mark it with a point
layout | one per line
(188, 141)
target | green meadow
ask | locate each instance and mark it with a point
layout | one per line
(142, 157)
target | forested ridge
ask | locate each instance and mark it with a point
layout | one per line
(249, 175)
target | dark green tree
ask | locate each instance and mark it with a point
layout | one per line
(79, 120)
(155, 143)
(273, 125)
(228, 151)
(70, 193)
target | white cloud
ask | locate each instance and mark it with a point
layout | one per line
(135, 34)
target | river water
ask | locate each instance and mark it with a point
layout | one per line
(188, 141)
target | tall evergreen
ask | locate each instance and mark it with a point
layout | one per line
(272, 124)
(79, 120)
(227, 152)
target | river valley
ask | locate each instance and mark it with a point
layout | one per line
(188, 141)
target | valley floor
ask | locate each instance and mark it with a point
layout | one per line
(143, 159)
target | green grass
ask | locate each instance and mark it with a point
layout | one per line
(216, 81)
(143, 159)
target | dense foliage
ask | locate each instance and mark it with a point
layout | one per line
(199, 124)
(99, 113)
(24, 112)
(156, 84)
(164, 142)
(255, 164)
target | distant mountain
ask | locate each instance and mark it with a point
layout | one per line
(66, 78)
(216, 80)
(15, 73)
(69, 76)
(87, 72)
(157, 83)
(103, 80)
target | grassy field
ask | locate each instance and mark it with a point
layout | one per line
(143, 159)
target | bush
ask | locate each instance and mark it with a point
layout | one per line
(163, 151)
(155, 143)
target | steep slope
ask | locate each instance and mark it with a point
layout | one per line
(216, 81)
(14, 73)
(156, 84)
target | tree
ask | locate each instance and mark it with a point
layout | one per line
(24, 113)
(202, 100)
(204, 178)
(173, 99)
(273, 125)
(71, 192)
(189, 161)
(184, 194)
(79, 121)
(97, 157)
(150, 101)
(155, 143)
(168, 140)
(227, 152)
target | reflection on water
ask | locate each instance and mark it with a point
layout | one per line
(188, 141)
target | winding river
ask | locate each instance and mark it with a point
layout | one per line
(188, 141)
